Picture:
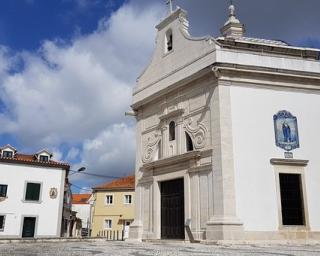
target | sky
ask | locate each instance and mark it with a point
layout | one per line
(67, 69)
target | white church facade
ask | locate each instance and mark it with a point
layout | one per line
(227, 137)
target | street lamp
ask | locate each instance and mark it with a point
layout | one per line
(81, 169)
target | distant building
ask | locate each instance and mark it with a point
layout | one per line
(32, 194)
(81, 205)
(113, 206)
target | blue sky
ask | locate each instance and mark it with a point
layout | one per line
(67, 69)
(24, 24)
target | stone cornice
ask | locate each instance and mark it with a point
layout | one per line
(221, 67)
(172, 160)
(293, 162)
(201, 168)
(177, 112)
(239, 44)
(267, 76)
(145, 180)
(170, 88)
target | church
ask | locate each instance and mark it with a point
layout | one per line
(227, 137)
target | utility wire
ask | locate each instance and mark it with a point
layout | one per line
(80, 187)
(96, 175)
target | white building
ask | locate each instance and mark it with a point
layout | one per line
(227, 137)
(32, 190)
(81, 204)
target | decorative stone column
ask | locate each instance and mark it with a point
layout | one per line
(224, 224)
(136, 228)
(165, 139)
(180, 137)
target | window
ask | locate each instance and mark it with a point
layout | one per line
(189, 143)
(2, 219)
(7, 154)
(3, 190)
(109, 199)
(128, 199)
(33, 192)
(107, 224)
(172, 131)
(43, 158)
(169, 41)
(291, 199)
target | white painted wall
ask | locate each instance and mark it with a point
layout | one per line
(254, 146)
(83, 212)
(48, 211)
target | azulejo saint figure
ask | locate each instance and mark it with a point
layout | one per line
(286, 132)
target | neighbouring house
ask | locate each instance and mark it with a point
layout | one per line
(32, 194)
(113, 207)
(81, 205)
(227, 137)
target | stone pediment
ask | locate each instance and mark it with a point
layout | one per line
(187, 56)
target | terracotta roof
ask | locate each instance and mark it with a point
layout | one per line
(31, 160)
(80, 198)
(118, 184)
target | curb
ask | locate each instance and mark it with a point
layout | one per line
(49, 240)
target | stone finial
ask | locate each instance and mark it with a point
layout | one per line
(233, 27)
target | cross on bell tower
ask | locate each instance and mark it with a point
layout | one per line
(169, 2)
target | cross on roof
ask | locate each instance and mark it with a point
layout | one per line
(169, 2)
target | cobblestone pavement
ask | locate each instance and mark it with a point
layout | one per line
(98, 248)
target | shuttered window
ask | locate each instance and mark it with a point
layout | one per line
(33, 192)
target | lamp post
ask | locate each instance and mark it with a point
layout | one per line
(81, 169)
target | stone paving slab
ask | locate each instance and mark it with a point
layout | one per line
(110, 248)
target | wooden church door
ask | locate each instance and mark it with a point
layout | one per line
(172, 209)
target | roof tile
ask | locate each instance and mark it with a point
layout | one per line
(31, 160)
(80, 198)
(122, 183)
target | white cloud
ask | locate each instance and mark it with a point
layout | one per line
(73, 153)
(85, 190)
(111, 153)
(57, 155)
(76, 93)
